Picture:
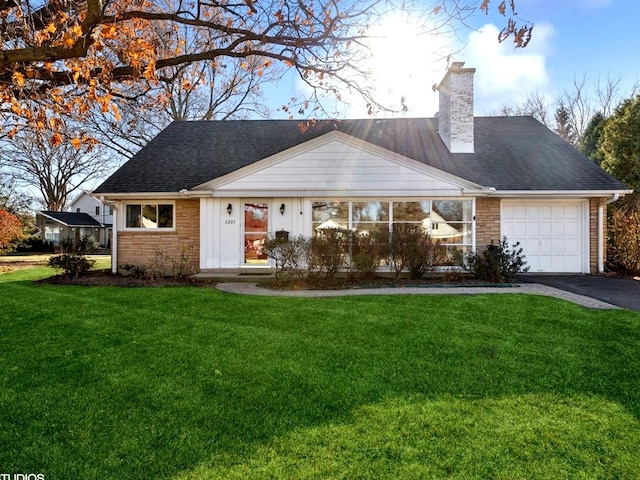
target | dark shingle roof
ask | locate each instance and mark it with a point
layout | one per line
(72, 219)
(511, 153)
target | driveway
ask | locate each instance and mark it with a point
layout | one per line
(623, 292)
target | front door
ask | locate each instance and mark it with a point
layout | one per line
(256, 226)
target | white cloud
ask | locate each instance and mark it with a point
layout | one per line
(407, 65)
(506, 75)
(525, 5)
(403, 64)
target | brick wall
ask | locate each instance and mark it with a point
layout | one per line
(456, 124)
(487, 222)
(165, 252)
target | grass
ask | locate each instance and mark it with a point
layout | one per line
(16, 261)
(192, 383)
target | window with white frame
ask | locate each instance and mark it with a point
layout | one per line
(149, 215)
(449, 222)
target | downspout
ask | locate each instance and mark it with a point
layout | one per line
(601, 238)
(114, 240)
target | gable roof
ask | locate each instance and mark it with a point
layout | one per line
(511, 153)
(71, 219)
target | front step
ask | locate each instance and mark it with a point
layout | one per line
(239, 273)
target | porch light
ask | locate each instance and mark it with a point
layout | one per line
(282, 209)
(229, 209)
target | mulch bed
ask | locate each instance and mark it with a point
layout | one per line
(106, 278)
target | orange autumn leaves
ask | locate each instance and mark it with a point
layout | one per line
(78, 79)
(10, 230)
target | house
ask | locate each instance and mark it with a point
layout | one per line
(86, 217)
(59, 226)
(103, 214)
(211, 192)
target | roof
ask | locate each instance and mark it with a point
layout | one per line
(71, 219)
(511, 153)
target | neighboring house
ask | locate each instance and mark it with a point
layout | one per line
(85, 203)
(87, 217)
(211, 192)
(59, 226)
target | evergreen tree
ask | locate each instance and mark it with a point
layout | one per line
(620, 145)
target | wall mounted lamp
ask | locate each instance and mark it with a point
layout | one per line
(229, 209)
(282, 209)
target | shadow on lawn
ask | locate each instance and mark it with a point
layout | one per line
(189, 383)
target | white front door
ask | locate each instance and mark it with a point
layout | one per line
(552, 234)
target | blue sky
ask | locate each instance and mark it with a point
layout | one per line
(588, 40)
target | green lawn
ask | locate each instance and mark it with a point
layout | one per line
(192, 383)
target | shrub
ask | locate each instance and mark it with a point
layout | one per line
(368, 251)
(71, 264)
(291, 256)
(412, 248)
(329, 252)
(71, 259)
(498, 263)
(136, 271)
(36, 244)
(164, 265)
(624, 237)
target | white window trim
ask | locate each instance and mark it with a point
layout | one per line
(149, 230)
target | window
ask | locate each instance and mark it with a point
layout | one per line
(330, 215)
(97, 210)
(149, 216)
(449, 222)
(78, 210)
(256, 226)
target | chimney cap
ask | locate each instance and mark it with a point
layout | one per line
(457, 67)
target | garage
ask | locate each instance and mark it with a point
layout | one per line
(552, 234)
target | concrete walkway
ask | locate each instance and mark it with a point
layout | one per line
(245, 288)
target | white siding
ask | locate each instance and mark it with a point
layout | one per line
(85, 203)
(338, 168)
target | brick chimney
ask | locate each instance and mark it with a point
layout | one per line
(455, 118)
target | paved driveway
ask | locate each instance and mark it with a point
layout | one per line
(623, 292)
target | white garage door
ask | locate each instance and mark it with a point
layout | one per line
(551, 234)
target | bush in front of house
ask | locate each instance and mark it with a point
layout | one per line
(497, 263)
(291, 257)
(72, 258)
(412, 248)
(329, 252)
(36, 245)
(368, 251)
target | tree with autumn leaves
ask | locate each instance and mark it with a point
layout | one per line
(11, 231)
(60, 58)
(75, 72)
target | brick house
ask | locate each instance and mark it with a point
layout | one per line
(211, 192)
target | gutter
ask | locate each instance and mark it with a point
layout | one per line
(114, 231)
(601, 239)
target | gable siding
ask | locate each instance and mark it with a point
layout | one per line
(339, 167)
